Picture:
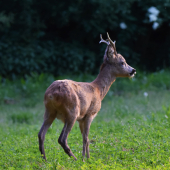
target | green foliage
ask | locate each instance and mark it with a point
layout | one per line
(24, 59)
(130, 132)
(21, 118)
(60, 38)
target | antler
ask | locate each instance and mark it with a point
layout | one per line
(113, 43)
(102, 40)
(108, 42)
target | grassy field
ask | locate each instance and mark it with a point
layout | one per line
(132, 130)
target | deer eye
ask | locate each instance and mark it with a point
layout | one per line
(122, 63)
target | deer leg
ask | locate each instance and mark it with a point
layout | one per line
(81, 125)
(87, 148)
(85, 127)
(41, 135)
(62, 140)
(86, 142)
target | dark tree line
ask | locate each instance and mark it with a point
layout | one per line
(61, 37)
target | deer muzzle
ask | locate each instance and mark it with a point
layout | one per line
(133, 72)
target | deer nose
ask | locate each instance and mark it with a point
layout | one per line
(133, 71)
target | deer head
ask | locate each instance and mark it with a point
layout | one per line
(118, 64)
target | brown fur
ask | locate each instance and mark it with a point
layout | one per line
(69, 101)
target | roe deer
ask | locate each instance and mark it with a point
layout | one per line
(69, 101)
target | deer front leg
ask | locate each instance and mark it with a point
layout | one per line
(87, 148)
(85, 127)
(62, 140)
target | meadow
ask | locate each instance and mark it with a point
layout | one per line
(131, 131)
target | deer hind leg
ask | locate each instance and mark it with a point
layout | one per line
(85, 127)
(48, 119)
(62, 140)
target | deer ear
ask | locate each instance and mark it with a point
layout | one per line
(110, 52)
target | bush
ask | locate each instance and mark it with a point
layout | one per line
(63, 37)
(45, 57)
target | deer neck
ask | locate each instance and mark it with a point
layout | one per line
(104, 80)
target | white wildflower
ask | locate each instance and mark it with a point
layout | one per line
(152, 17)
(155, 25)
(153, 14)
(123, 25)
(145, 94)
(153, 10)
(166, 116)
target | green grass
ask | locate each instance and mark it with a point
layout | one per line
(132, 131)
